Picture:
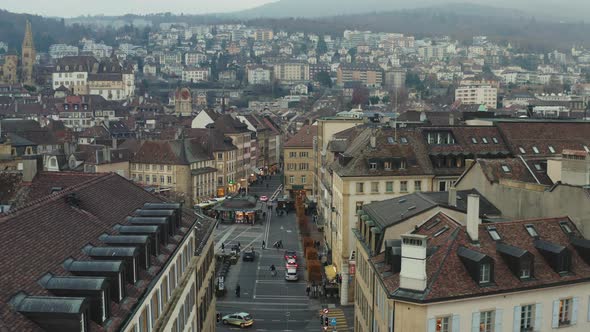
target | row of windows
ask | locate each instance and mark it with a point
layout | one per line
(389, 187)
(526, 318)
(153, 178)
(292, 179)
(153, 167)
(293, 166)
(303, 154)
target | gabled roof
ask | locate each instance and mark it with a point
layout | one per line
(515, 169)
(303, 138)
(448, 277)
(39, 237)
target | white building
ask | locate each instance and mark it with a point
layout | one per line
(58, 51)
(477, 95)
(194, 58)
(194, 74)
(259, 75)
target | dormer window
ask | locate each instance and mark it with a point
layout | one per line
(521, 149)
(525, 270)
(372, 166)
(387, 165)
(485, 271)
(535, 150)
(551, 149)
(484, 140)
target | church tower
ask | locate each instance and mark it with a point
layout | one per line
(28, 55)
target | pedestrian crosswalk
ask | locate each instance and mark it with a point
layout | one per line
(338, 315)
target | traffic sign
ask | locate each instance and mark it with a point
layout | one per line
(333, 322)
(326, 310)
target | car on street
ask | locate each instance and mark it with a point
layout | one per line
(241, 319)
(263, 198)
(291, 274)
(290, 254)
(249, 255)
(291, 264)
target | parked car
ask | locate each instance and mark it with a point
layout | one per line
(249, 255)
(263, 198)
(241, 319)
(291, 264)
(291, 274)
(290, 254)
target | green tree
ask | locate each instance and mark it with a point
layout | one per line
(385, 99)
(324, 79)
(374, 100)
(322, 47)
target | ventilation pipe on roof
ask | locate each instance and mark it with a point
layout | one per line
(473, 220)
(453, 196)
(413, 264)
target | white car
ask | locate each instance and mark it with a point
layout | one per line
(291, 274)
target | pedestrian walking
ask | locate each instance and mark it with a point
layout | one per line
(263, 245)
(222, 246)
(239, 246)
(238, 290)
(307, 290)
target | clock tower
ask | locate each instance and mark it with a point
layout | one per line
(183, 102)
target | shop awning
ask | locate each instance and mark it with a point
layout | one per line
(330, 272)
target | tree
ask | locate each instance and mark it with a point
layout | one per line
(360, 96)
(352, 53)
(324, 79)
(385, 100)
(374, 100)
(322, 47)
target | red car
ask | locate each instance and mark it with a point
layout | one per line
(290, 254)
(263, 198)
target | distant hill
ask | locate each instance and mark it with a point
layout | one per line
(546, 9)
(46, 31)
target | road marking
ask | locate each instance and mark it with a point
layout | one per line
(231, 303)
(223, 238)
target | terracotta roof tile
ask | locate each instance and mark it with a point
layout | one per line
(303, 138)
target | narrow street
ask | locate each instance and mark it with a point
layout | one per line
(274, 303)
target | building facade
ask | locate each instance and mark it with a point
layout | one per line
(299, 163)
(477, 95)
(370, 75)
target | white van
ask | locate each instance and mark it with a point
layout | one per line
(291, 275)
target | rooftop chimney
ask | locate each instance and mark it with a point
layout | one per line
(452, 196)
(473, 220)
(413, 269)
(451, 119)
(373, 141)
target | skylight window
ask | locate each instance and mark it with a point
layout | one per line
(535, 150)
(521, 149)
(531, 230)
(403, 140)
(586, 148)
(495, 140)
(484, 140)
(403, 200)
(538, 167)
(551, 149)
(505, 168)
(474, 140)
(390, 140)
(440, 231)
(565, 227)
(494, 233)
(433, 223)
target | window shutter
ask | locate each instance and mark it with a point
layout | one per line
(432, 325)
(498, 320)
(538, 316)
(516, 319)
(475, 322)
(555, 318)
(575, 301)
(455, 325)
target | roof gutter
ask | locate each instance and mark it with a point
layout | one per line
(530, 170)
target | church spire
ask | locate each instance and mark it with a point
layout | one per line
(28, 55)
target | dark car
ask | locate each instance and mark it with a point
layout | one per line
(290, 254)
(249, 255)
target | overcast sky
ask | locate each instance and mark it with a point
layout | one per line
(72, 8)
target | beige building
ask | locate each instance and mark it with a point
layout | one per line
(299, 163)
(495, 276)
(263, 35)
(291, 72)
(183, 166)
(8, 70)
(368, 74)
(477, 95)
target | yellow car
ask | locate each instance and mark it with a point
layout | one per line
(241, 319)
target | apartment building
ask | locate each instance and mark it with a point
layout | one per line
(477, 95)
(522, 275)
(184, 166)
(113, 264)
(291, 72)
(195, 74)
(258, 75)
(368, 74)
(263, 35)
(298, 158)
